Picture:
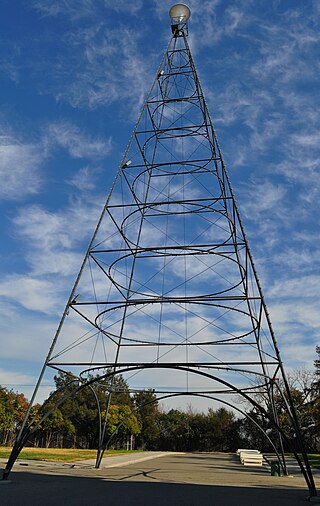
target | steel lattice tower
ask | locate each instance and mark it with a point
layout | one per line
(170, 297)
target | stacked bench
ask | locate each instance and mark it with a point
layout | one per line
(250, 457)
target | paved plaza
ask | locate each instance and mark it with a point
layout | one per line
(154, 478)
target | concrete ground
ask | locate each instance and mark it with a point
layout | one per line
(155, 478)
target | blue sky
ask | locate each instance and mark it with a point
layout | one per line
(74, 74)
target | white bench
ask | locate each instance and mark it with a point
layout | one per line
(247, 450)
(250, 457)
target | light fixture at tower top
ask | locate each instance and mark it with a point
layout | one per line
(179, 13)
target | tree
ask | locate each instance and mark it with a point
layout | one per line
(174, 430)
(315, 403)
(51, 425)
(220, 430)
(316, 385)
(6, 416)
(121, 422)
(80, 412)
(13, 406)
(147, 412)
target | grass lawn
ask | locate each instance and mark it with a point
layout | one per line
(314, 459)
(57, 454)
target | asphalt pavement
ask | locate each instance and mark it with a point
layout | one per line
(155, 478)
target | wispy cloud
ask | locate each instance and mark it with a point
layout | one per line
(78, 144)
(77, 9)
(296, 323)
(301, 259)
(31, 293)
(52, 240)
(20, 165)
(261, 197)
(295, 287)
(124, 6)
(74, 8)
(107, 66)
(96, 61)
(22, 161)
(309, 140)
(85, 178)
(54, 245)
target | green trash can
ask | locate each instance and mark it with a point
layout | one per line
(275, 468)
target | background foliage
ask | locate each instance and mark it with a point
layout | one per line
(137, 420)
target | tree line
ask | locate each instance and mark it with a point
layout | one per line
(138, 420)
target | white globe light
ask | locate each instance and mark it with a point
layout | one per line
(180, 13)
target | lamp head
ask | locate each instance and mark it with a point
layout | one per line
(179, 13)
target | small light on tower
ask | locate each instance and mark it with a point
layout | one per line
(179, 13)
